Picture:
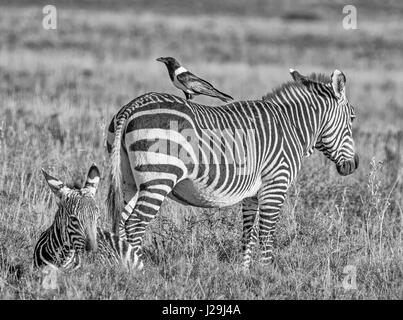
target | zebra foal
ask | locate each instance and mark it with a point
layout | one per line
(74, 230)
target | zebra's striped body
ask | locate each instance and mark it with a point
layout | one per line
(247, 151)
(74, 231)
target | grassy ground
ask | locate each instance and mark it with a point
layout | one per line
(58, 90)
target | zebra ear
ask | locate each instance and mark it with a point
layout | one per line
(93, 179)
(338, 83)
(297, 77)
(55, 184)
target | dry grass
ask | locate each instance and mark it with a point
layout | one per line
(58, 90)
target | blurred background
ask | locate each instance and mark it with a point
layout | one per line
(103, 52)
(59, 89)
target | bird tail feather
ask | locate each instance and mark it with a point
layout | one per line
(223, 96)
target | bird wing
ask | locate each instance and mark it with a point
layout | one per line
(195, 83)
(200, 86)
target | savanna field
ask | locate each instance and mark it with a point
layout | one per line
(60, 88)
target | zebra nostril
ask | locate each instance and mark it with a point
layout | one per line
(347, 167)
(340, 169)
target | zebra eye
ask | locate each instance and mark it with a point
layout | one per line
(352, 117)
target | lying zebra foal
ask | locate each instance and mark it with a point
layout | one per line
(74, 230)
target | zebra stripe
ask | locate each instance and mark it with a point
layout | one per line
(249, 151)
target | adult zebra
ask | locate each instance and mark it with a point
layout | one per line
(249, 151)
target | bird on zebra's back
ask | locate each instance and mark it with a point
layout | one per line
(190, 84)
(74, 230)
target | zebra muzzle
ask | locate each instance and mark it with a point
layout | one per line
(348, 166)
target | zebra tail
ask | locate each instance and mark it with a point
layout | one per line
(115, 196)
(112, 203)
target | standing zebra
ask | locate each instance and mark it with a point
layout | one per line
(74, 230)
(249, 151)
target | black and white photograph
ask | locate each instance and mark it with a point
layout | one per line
(201, 151)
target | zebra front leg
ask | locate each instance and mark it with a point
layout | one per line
(271, 199)
(249, 233)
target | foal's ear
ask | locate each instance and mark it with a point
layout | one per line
(338, 83)
(57, 186)
(297, 77)
(93, 179)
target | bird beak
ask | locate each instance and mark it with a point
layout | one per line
(161, 60)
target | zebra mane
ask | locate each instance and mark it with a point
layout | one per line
(292, 85)
(319, 77)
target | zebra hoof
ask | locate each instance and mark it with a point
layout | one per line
(140, 266)
(271, 266)
(135, 267)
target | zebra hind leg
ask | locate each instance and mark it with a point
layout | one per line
(150, 199)
(130, 196)
(127, 211)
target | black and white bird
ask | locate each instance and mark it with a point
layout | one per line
(190, 84)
